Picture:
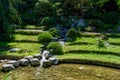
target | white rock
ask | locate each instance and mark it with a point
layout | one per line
(24, 62)
(28, 57)
(7, 67)
(14, 50)
(15, 63)
(81, 68)
(35, 62)
(54, 61)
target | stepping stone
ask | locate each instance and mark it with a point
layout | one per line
(54, 61)
(28, 58)
(23, 62)
(7, 67)
(15, 63)
(35, 62)
(14, 50)
(46, 63)
(38, 56)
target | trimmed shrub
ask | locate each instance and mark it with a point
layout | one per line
(56, 48)
(54, 32)
(45, 37)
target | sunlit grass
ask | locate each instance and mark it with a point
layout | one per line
(26, 48)
(26, 37)
(91, 56)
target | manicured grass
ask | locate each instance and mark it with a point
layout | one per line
(91, 56)
(21, 37)
(25, 48)
(110, 48)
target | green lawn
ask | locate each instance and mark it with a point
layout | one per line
(25, 48)
(21, 37)
(110, 48)
(91, 56)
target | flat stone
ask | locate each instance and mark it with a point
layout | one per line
(7, 67)
(15, 63)
(28, 58)
(46, 63)
(35, 62)
(38, 56)
(81, 68)
(23, 62)
(14, 50)
(54, 61)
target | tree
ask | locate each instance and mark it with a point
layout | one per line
(8, 16)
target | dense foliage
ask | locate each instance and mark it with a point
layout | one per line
(45, 37)
(48, 13)
(57, 48)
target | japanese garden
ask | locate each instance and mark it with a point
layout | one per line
(59, 39)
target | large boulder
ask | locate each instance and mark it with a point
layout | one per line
(24, 62)
(54, 61)
(46, 63)
(38, 56)
(15, 63)
(35, 62)
(7, 67)
(28, 58)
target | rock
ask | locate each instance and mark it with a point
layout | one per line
(98, 75)
(46, 63)
(35, 62)
(14, 50)
(28, 58)
(38, 56)
(54, 61)
(81, 68)
(81, 22)
(46, 54)
(7, 67)
(24, 62)
(15, 63)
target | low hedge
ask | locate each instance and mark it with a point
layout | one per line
(92, 62)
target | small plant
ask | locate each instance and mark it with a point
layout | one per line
(100, 43)
(56, 48)
(54, 32)
(45, 37)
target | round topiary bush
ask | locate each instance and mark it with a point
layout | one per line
(57, 49)
(45, 37)
(54, 32)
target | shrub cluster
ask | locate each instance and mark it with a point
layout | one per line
(54, 32)
(57, 48)
(45, 37)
